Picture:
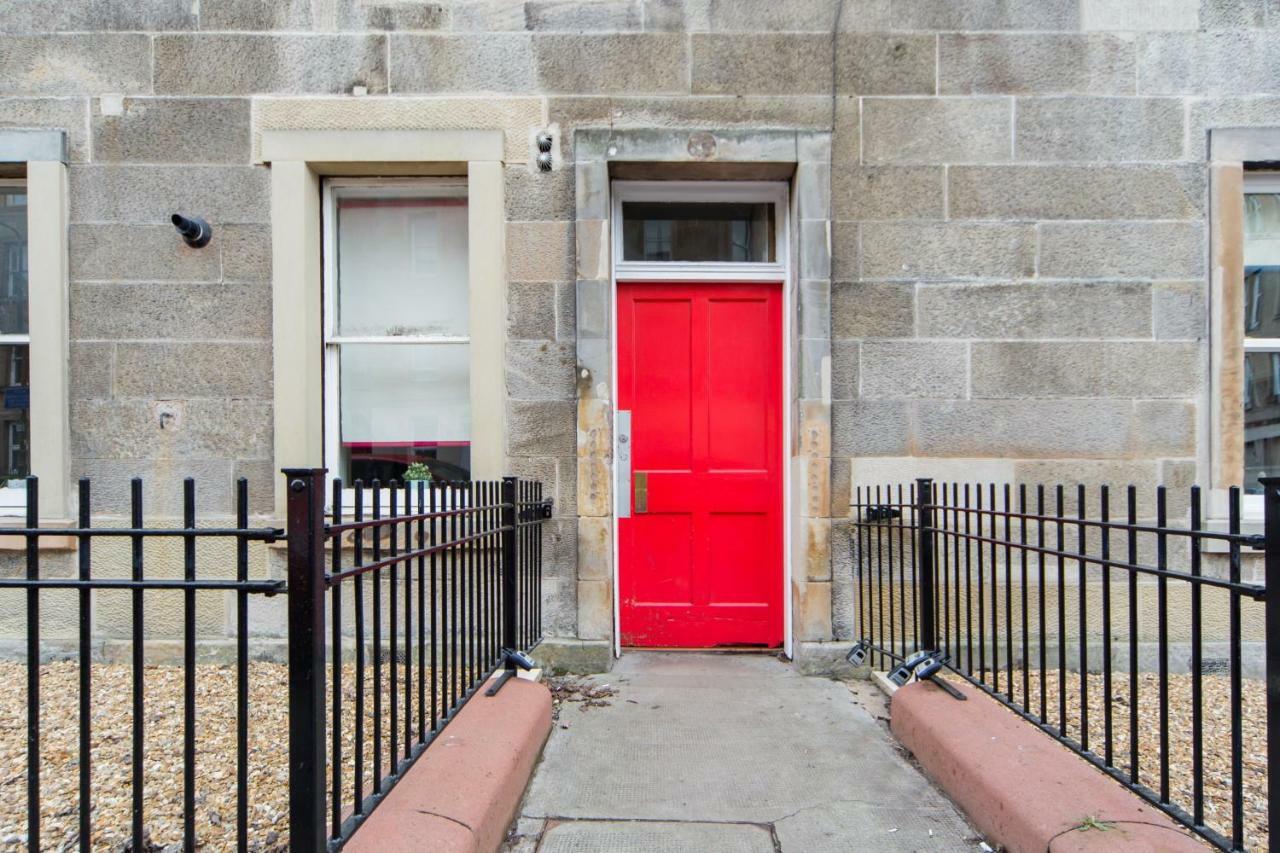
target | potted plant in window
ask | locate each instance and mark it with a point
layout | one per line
(417, 471)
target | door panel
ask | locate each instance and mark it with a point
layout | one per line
(700, 370)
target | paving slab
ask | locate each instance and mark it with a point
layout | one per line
(718, 744)
(655, 837)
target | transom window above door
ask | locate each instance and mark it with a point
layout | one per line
(683, 229)
(397, 343)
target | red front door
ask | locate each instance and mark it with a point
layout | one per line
(700, 371)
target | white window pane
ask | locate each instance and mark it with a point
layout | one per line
(401, 403)
(402, 261)
(13, 260)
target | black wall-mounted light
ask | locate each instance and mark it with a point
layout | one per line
(194, 230)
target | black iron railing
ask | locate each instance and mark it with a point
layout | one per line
(441, 583)
(1062, 603)
(138, 583)
(458, 567)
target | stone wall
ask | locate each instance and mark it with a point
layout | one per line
(1017, 196)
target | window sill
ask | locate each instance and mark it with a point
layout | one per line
(10, 544)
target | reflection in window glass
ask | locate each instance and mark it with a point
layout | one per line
(13, 260)
(698, 231)
(1261, 392)
(400, 331)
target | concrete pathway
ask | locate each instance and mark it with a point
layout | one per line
(736, 753)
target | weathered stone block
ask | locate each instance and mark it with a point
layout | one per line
(161, 486)
(531, 311)
(541, 427)
(139, 253)
(1139, 15)
(815, 308)
(76, 64)
(629, 63)
(592, 236)
(534, 195)
(866, 310)
(1093, 428)
(1163, 428)
(181, 370)
(242, 64)
(594, 492)
(1223, 62)
(1178, 310)
(1099, 129)
(173, 311)
(952, 15)
(595, 610)
(816, 497)
(947, 250)
(242, 15)
(1092, 474)
(1076, 192)
(593, 314)
(815, 249)
(877, 64)
(1147, 250)
(815, 428)
(817, 549)
(1087, 369)
(936, 130)
(540, 370)
(540, 251)
(1260, 111)
(1233, 14)
(575, 16)
(53, 16)
(813, 189)
(1025, 64)
(68, 114)
(246, 252)
(595, 549)
(92, 365)
(489, 62)
(870, 428)
(151, 193)
(813, 610)
(208, 428)
(845, 256)
(749, 63)
(595, 434)
(904, 369)
(844, 370)
(840, 483)
(1034, 311)
(173, 130)
(889, 192)
(739, 16)
(488, 16)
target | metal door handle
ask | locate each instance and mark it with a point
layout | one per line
(642, 491)
(622, 465)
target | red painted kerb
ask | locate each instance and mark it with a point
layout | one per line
(463, 793)
(1020, 788)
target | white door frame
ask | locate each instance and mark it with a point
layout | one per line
(775, 192)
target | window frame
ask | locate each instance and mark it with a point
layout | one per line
(13, 499)
(333, 342)
(1255, 183)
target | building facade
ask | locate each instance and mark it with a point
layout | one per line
(996, 240)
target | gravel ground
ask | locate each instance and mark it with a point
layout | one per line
(1216, 733)
(111, 760)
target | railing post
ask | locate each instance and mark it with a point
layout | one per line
(1271, 487)
(926, 573)
(510, 515)
(306, 659)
